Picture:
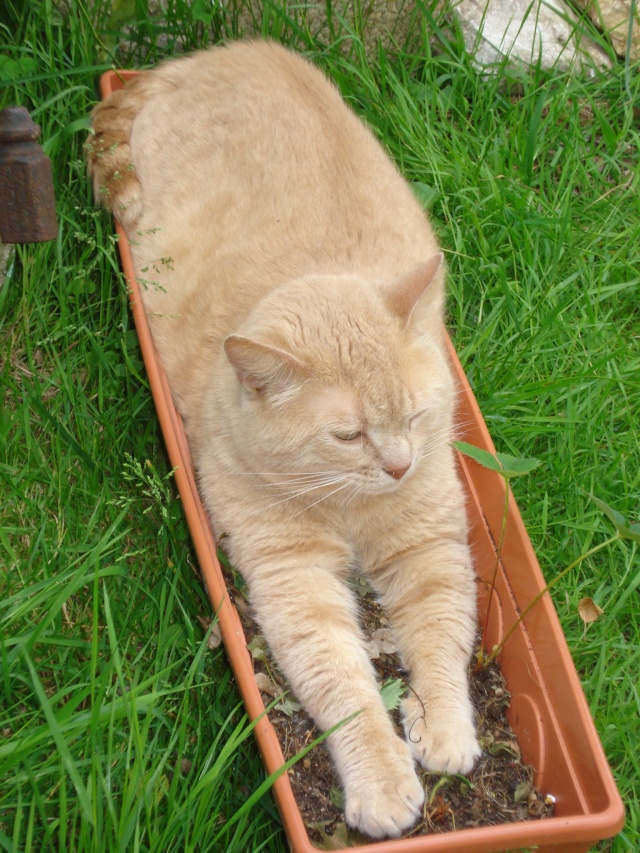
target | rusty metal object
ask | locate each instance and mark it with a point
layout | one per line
(27, 201)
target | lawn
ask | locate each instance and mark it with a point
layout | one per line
(120, 728)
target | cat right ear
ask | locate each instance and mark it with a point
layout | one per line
(407, 291)
(262, 367)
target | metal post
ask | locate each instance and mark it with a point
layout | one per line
(27, 201)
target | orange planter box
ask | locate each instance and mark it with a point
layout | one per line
(549, 713)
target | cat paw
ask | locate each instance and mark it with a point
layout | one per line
(443, 742)
(388, 804)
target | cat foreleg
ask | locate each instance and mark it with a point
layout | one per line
(431, 599)
(309, 618)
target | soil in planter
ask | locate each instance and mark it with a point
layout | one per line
(499, 789)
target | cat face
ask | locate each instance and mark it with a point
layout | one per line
(344, 397)
(378, 436)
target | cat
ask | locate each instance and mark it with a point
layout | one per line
(295, 291)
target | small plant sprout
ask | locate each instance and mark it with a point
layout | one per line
(624, 530)
(393, 692)
(508, 467)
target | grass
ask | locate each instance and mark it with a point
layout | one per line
(120, 728)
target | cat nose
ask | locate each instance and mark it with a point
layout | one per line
(397, 471)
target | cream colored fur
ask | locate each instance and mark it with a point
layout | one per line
(295, 292)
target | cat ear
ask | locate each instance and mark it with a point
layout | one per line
(261, 366)
(406, 292)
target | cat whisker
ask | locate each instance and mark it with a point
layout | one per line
(461, 429)
(299, 492)
(354, 492)
(433, 449)
(294, 492)
(327, 479)
(308, 481)
(323, 498)
(287, 473)
(435, 442)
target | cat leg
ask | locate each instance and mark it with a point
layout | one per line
(309, 618)
(430, 597)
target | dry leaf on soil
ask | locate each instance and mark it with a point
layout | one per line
(382, 642)
(265, 685)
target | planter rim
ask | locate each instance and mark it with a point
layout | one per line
(586, 826)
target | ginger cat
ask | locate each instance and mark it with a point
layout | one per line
(295, 292)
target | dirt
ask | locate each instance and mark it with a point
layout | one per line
(499, 789)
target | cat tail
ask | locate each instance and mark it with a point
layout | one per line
(108, 150)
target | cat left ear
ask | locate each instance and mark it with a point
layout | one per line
(407, 291)
(261, 367)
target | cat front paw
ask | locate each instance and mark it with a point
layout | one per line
(442, 740)
(388, 801)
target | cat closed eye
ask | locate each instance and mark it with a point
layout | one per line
(417, 416)
(348, 436)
